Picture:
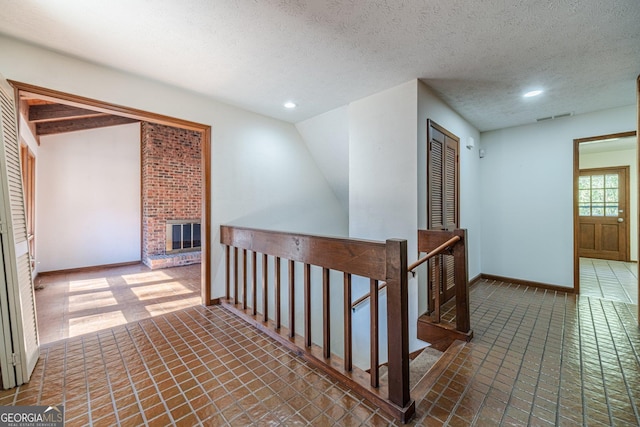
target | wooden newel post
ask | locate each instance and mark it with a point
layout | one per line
(398, 326)
(461, 279)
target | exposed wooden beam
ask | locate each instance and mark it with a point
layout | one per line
(30, 91)
(53, 112)
(51, 128)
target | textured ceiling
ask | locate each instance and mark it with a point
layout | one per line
(479, 55)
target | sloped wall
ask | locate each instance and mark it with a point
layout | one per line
(327, 137)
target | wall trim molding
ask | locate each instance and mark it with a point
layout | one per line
(475, 280)
(539, 285)
(88, 269)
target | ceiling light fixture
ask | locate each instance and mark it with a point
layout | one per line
(290, 105)
(532, 93)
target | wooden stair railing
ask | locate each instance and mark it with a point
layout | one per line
(378, 261)
(431, 328)
(437, 251)
(365, 297)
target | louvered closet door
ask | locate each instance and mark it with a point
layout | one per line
(442, 210)
(20, 351)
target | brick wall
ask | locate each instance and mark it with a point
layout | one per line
(171, 187)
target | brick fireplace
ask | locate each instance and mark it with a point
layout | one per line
(171, 192)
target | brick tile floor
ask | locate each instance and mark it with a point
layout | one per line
(538, 358)
(611, 280)
(541, 358)
(72, 304)
(194, 366)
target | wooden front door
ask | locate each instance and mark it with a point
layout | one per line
(603, 217)
(442, 199)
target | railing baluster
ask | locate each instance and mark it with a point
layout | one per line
(244, 279)
(375, 351)
(265, 287)
(437, 288)
(235, 275)
(384, 263)
(292, 299)
(348, 355)
(326, 314)
(461, 280)
(277, 290)
(307, 305)
(398, 322)
(227, 266)
(254, 279)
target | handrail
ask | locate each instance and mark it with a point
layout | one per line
(436, 251)
(428, 239)
(365, 297)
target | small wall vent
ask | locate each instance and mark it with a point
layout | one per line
(557, 116)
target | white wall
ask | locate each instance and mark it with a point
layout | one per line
(620, 158)
(262, 173)
(88, 198)
(327, 137)
(382, 189)
(432, 107)
(27, 137)
(383, 167)
(527, 194)
(387, 179)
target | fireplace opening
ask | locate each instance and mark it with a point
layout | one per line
(183, 236)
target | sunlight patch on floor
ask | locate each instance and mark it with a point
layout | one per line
(169, 306)
(151, 276)
(91, 300)
(71, 306)
(94, 322)
(152, 292)
(88, 284)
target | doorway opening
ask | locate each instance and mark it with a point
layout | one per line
(606, 217)
(182, 284)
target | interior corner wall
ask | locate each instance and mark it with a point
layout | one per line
(382, 187)
(527, 194)
(382, 166)
(88, 198)
(262, 174)
(432, 107)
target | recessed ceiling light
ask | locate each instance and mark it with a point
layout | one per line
(290, 105)
(532, 93)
